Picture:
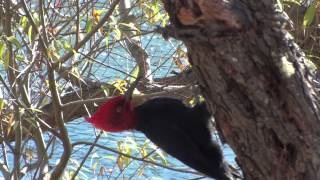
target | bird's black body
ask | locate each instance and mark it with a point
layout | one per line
(182, 132)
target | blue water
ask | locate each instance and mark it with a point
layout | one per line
(80, 130)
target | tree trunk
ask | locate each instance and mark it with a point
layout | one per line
(257, 83)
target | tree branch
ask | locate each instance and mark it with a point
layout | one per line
(132, 157)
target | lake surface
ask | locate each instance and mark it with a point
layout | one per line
(102, 160)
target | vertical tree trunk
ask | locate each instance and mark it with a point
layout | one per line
(257, 82)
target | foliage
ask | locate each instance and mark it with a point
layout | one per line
(68, 38)
(56, 57)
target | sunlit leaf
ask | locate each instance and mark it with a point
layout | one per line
(127, 150)
(20, 57)
(280, 5)
(134, 74)
(162, 157)
(14, 41)
(89, 25)
(120, 159)
(24, 22)
(67, 45)
(120, 162)
(120, 85)
(30, 33)
(94, 167)
(70, 174)
(6, 60)
(36, 110)
(53, 54)
(117, 33)
(179, 63)
(141, 172)
(11, 124)
(96, 14)
(36, 19)
(160, 154)
(192, 101)
(310, 14)
(1, 104)
(2, 49)
(165, 21)
(144, 151)
(107, 39)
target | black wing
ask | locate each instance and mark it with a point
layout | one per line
(183, 133)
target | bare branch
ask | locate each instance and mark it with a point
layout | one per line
(132, 157)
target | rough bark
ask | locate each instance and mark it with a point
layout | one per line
(257, 84)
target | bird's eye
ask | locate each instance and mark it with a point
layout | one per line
(119, 109)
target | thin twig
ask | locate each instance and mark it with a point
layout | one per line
(132, 157)
(86, 156)
(140, 63)
(34, 26)
(145, 96)
(90, 34)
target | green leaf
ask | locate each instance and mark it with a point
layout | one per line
(127, 151)
(192, 101)
(162, 157)
(120, 162)
(107, 40)
(36, 18)
(117, 33)
(94, 167)
(1, 103)
(120, 85)
(24, 22)
(134, 74)
(67, 46)
(100, 11)
(159, 152)
(89, 25)
(20, 57)
(30, 33)
(280, 5)
(36, 110)
(309, 15)
(6, 61)
(140, 172)
(2, 48)
(76, 74)
(14, 41)
(165, 20)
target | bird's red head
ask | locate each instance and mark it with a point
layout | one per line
(114, 115)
